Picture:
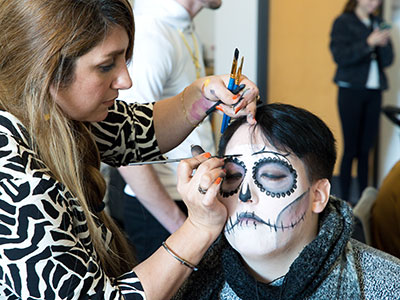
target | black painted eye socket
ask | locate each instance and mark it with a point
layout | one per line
(274, 176)
(235, 173)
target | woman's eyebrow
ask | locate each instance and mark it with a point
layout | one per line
(115, 53)
(112, 54)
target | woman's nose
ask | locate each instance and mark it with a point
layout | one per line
(123, 80)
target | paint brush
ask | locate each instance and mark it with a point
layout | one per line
(239, 73)
(236, 80)
(226, 119)
(172, 160)
(231, 87)
(233, 70)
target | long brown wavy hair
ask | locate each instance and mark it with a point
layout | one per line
(40, 41)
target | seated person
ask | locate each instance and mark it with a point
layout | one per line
(385, 214)
(286, 237)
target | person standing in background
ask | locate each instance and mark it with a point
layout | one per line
(167, 57)
(361, 47)
(385, 214)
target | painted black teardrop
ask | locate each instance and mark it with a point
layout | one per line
(245, 196)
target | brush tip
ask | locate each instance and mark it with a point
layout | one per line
(236, 53)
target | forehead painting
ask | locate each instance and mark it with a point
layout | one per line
(265, 188)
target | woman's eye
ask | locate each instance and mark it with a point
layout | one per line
(106, 68)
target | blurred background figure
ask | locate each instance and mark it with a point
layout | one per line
(361, 47)
(167, 57)
(385, 213)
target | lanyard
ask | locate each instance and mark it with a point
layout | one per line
(194, 54)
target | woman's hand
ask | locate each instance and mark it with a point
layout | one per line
(378, 38)
(180, 114)
(214, 88)
(199, 180)
(163, 272)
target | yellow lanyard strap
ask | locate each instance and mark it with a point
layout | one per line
(194, 54)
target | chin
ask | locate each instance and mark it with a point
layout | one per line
(255, 243)
(99, 116)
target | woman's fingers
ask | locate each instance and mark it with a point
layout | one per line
(199, 164)
(233, 105)
(208, 178)
(199, 179)
(213, 190)
(187, 166)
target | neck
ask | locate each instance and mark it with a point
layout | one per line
(361, 13)
(269, 267)
(193, 7)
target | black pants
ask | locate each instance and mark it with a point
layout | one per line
(144, 232)
(359, 113)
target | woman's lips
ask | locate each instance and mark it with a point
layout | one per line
(109, 102)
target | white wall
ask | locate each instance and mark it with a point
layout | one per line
(233, 25)
(389, 138)
(205, 24)
(236, 26)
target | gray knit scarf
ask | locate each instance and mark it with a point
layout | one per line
(222, 264)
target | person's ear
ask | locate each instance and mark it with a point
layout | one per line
(320, 190)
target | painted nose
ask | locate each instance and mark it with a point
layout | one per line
(245, 194)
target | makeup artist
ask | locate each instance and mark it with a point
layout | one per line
(61, 66)
(169, 51)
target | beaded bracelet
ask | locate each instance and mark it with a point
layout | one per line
(181, 260)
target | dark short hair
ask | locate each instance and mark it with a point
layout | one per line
(295, 130)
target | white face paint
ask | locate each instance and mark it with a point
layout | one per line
(266, 192)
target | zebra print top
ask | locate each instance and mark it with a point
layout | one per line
(45, 247)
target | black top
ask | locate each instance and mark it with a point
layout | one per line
(46, 251)
(352, 53)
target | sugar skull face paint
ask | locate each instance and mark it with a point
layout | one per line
(272, 174)
(267, 195)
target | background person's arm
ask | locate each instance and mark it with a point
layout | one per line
(148, 188)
